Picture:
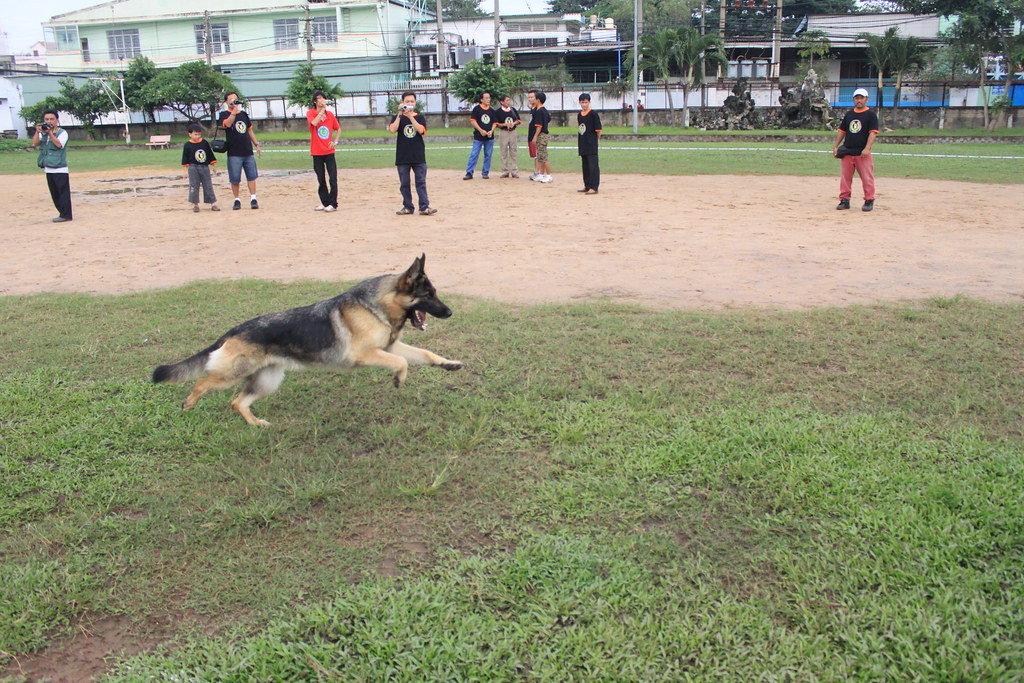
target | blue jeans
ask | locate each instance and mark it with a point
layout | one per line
(235, 166)
(420, 171)
(488, 146)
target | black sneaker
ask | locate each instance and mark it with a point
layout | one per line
(429, 211)
(868, 205)
(485, 176)
(468, 176)
(253, 204)
(843, 204)
(404, 211)
(237, 205)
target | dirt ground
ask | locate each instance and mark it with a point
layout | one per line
(705, 242)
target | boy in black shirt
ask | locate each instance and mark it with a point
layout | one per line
(539, 126)
(411, 154)
(589, 124)
(482, 120)
(857, 134)
(197, 158)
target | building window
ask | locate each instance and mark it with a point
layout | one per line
(85, 50)
(325, 29)
(64, 37)
(123, 43)
(532, 42)
(286, 34)
(219, 42)
(346, 20)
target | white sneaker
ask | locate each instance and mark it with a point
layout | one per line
(328, 209)
(534, 176)
(544, 179)
(320, 208)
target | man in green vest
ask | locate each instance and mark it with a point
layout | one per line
(52, 141)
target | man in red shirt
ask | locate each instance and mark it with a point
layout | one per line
(324, 131)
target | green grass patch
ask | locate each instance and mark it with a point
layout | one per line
(970, 162)
(603, 492)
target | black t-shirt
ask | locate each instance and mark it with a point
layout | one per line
(198, 153)
(541, 117)
(239, 143)
(509, 117)
(410, 148)
(858, 125)
(586, 141)
(484, 118)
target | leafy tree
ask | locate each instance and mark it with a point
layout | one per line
(551, 77)
(193, 89)
(571, 6)
(141, 70)
(983, 28)
(878, 47)
(658, 54)
(85, 103)
(661, 13)
(813, 44)
(33, 113)
(301, 88)
(458, 9)
(476, 78)
(906, 55)
(690, 53)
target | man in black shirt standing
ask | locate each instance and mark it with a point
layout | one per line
(411, 154)
(241, 141)
(482, 119)
(589, 125)
(857, 134)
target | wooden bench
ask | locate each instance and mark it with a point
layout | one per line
(156, 141)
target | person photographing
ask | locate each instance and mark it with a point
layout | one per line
(52, 141)
(324, 132)
(240, 144)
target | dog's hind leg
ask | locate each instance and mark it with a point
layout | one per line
(211, 381)
(260, 384)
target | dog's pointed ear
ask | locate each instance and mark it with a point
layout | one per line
(411, 274)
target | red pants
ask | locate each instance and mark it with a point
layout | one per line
(865, 169)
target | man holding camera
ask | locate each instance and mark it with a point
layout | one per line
(52, 141)
(411, 155)
(241, 142)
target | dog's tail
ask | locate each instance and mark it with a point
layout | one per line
(189, 369)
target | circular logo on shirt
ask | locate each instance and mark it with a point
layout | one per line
(200, 156)
(509, 120)
(583, 129)
(409, 130)
(240, 126)
(855, 126)
(323, 132)
(485, 119)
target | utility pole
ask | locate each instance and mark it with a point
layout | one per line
(497, 35)
(721, 29)
(309, 37)
(207, 38)
(703, 30)
(442, 61)
(777, 41)
(638, 18)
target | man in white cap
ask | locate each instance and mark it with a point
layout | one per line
(856, 135)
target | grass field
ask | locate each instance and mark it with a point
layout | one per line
(996, 162)
(822, 495)
(604, 492)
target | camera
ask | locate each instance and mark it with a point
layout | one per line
(45, 126)
(407, 107)
(237, 102)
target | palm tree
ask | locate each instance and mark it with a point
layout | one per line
(657, 53)
(690, 51)
(906, 54)
(878, 52)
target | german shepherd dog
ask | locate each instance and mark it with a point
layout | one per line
(359, 327)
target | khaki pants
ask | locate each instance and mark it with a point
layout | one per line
(509, 144)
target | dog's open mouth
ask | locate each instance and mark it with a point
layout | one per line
(419, 320)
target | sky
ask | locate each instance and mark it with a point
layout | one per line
(21, 20)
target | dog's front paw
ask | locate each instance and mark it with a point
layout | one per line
(451, 365)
